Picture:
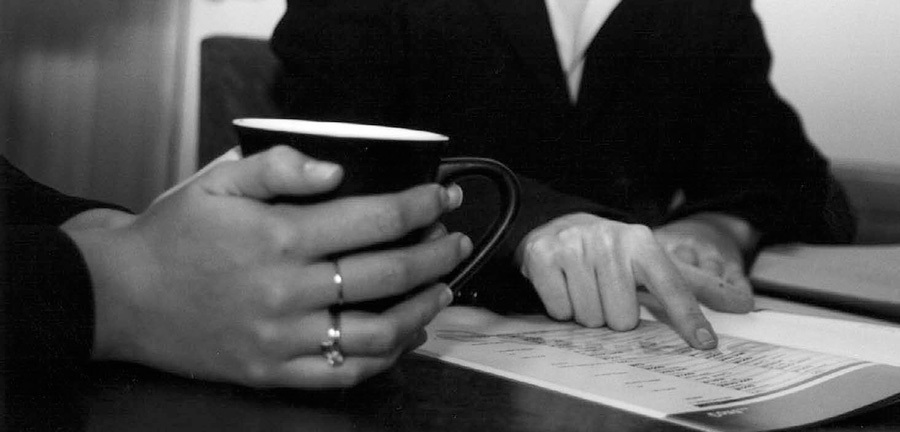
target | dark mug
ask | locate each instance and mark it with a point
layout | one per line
(380, 159)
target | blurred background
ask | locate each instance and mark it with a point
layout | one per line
(99, 97)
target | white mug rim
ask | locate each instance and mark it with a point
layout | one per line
(339, 129)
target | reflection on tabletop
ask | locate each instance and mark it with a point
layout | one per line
(419, 394)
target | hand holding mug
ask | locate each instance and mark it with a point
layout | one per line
(215, 282)
(380, 159)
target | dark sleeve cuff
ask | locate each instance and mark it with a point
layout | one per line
(816, 212)
(24, 201)
(49, 309)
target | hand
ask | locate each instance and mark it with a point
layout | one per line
(96, 218)
(711, 259)
(109, 218)
(213, 282)
(588, 268)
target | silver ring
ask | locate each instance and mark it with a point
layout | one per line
(331, 347)
(339, 281)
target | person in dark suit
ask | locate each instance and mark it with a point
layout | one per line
(212, 281)
(652, 148)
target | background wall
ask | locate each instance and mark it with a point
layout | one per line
(254, 18)
(838, 63)
(88, 94)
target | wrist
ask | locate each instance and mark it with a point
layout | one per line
(110, 259)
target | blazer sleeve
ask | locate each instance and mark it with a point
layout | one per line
(47, 299)
(752, 158)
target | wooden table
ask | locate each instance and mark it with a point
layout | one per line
(420, 394)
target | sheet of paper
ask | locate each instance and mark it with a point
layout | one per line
(859, 340)
(743, 385)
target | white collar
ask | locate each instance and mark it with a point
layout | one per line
(575, 23)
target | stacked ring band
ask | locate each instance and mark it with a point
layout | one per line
(331, 347)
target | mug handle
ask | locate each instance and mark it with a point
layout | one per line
(508, 187)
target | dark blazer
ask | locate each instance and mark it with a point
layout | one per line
(674, 101)
(46, 296)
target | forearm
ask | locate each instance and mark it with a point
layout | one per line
(48, 309)
(49, 315)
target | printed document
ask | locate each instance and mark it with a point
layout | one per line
(745, 384)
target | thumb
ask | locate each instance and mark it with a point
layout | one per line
(232, 154)
(725, 295)
(280, 170)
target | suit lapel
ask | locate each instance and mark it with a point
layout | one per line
(525, 26)
(615, 41)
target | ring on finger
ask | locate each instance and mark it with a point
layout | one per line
(338, 280)
(331, 347)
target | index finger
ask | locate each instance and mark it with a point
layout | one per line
(362, 221)
(660, 276)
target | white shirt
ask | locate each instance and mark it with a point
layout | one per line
(575, 24)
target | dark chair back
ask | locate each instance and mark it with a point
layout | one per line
(237, 78)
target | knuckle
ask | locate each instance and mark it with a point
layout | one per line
(434, 205)
(396, 275)
(534, 247)
(273, 297)
(283, 153)
(266, 337)
(281, 162)
(690, 242)
(543, 249)
(389, 219)
(638, 232)
(691, 313)
(572, 242)
(277, 235)
(571, 234)
(384, 338)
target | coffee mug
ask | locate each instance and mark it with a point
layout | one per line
(381, 159)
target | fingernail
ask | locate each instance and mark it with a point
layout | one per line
(465, 245)
(446, 296)
(454, 196)
(320, 170)
(706, 338)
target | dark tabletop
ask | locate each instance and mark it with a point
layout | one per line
(419, 394)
